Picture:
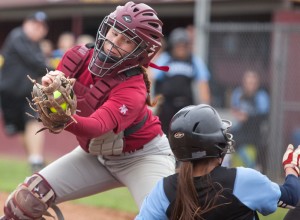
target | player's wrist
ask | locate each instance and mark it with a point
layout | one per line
(291, 169)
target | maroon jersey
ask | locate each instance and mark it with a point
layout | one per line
(125, 106)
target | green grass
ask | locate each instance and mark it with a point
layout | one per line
(119, 199)
(13, 172)
(278, 215)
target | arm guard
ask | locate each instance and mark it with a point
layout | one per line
(290, 192)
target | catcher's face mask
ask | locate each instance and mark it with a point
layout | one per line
(117, 49)
(140, 30)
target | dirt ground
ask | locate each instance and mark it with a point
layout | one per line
(73, 211)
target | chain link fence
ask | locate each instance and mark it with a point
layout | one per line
(273, 51)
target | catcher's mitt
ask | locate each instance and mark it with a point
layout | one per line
(55, 103)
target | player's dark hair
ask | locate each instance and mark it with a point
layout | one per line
(186, 204)
(149, 102)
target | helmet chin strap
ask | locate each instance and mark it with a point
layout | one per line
(163, 68)
(221, 160)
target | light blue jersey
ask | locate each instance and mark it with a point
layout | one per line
(195, 69)
(253, 189)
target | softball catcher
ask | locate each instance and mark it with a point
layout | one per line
(121, 142)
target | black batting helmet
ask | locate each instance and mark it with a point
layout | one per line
(198, 132)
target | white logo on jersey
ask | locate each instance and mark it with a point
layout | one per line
(123, 109)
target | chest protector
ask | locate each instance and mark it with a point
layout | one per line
(89, 99)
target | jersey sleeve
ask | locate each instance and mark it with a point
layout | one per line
(126, 102)
(290, 191)
(155, 204)
(256, 191)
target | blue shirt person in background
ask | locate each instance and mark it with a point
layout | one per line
(250, 105)
(176, 85)
(202, 188)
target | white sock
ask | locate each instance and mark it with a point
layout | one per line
(35, 158)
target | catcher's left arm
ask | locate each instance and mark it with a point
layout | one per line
(54, 101)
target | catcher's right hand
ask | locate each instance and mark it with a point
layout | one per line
(54, 101)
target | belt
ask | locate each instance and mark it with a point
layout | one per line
(134, 150)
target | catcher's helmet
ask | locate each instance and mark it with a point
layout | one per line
(140, 24)
(198, 132)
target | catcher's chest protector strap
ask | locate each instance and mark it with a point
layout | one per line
(75, 59)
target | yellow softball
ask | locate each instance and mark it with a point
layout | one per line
(57, 94)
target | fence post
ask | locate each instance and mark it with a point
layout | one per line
(201, 20)
(279, 63)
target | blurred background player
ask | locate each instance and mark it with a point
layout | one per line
(84, 39)
(176, 85)
(66, 40)
(47, 48)
(23, 56)
(250, 106)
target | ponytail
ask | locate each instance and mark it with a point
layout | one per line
(149, 102)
